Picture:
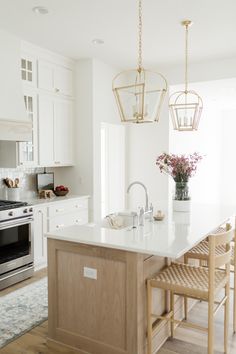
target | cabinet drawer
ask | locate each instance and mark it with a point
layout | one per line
(71, 206)
(59, 222)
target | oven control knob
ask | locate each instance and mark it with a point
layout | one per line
(10, 213)
(31, 210)
(25, 211)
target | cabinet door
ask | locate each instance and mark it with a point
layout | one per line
(28, 70)
(45, 76)
(46, 131)
(63, 132)
(55, 78)
(40, 242)
(63, 80)
(28, 151)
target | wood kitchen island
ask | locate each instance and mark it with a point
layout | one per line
(97, 276)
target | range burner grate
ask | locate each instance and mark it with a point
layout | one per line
(9, 204)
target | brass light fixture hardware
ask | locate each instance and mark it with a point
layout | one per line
(139, 93)
(185, 106)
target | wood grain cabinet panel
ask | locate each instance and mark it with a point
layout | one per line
(103, 317)
(105, 314)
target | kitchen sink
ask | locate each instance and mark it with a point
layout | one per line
(120, 220)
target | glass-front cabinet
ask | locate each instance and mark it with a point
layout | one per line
(28, 70)
(28, 150)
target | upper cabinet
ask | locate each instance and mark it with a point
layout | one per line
(28, 70)
(55, 78)
(48, 94)
(28, 151)
(36, 97)
(55, 128)
(14, 123)
(63, 132)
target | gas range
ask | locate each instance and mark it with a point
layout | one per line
(13, 210)
(16, 242)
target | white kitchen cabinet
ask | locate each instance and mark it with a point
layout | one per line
(47, 81)
(46, 131)
(40, 242)
(72, 212)
(63, 80)
(63, 132)
(28, 70)
(14, 154)
(54, 216)
(28, 151)
(70, 206)
(55, 78)
(55, 131)
(59, 222)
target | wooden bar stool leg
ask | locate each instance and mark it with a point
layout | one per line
(234, 309)
(226, 318)
(211, 296)
(185, 297)
(172, 308)
(185, 308)
(149, 318)
(211, 326)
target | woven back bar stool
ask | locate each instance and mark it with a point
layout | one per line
(201, 253)
(202, 283)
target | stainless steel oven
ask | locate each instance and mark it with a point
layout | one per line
(16, 246)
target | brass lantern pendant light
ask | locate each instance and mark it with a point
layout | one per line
(185, 106)
(139, 93)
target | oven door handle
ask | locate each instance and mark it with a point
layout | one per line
(19, 272)
(15, 223)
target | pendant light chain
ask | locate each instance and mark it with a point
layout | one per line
(140, 28)
(139, 93)
(186, 58)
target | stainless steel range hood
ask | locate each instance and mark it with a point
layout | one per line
(14, 122)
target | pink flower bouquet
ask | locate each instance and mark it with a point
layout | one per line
(180, 168)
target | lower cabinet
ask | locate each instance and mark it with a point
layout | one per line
(53, 217)
(40, 242)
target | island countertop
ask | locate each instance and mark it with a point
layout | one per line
(171, 238)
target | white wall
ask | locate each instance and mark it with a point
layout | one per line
(144, 143)
(104, 110)
(199, 71)
(112, 168)
(228, 165)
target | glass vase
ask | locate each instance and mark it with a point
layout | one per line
(181, 191)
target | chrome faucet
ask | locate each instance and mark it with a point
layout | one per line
(148, 212)
(145, 189)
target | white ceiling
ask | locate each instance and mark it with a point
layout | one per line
(72, 24)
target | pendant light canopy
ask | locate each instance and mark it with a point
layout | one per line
(139, 93)
(185, 106)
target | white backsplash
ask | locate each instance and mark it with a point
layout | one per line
(27, 177)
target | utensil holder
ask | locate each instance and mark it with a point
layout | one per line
(13, 194)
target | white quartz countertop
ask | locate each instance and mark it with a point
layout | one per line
(37, 201)
(171, 238)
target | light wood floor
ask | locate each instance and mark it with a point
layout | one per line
(199, 315)
(35, 341)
